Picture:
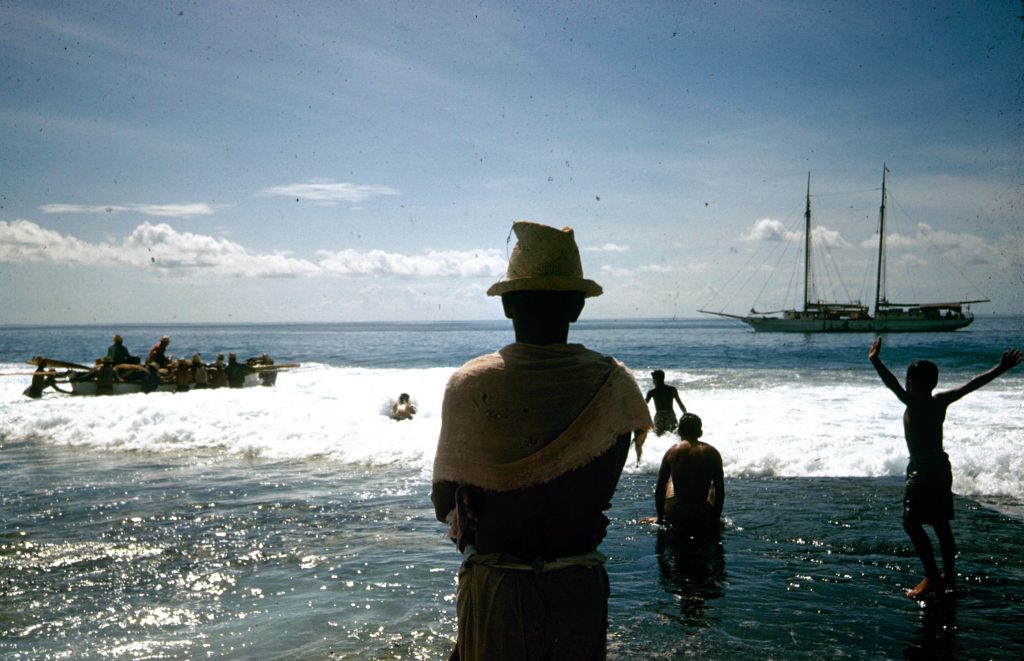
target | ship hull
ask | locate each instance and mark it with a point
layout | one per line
(897, 325)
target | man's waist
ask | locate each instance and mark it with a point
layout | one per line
(539, 565)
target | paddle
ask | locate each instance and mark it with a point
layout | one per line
(50, 362)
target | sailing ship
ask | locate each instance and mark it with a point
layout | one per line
(819, 316)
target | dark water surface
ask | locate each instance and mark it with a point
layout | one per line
(124, 556)
(295, 523)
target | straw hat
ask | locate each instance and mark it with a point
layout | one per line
(544, 259)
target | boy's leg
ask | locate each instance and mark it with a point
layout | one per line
(947, 546)
(923, 546)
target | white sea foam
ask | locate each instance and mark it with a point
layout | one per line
(761, 428)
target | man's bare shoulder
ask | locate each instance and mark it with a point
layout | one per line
(698, 450)
(678, 451)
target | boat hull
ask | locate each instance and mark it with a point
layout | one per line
(896, 325)
(88, 388)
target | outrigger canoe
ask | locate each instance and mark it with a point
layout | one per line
(131, 378)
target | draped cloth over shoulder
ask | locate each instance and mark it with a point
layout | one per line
(528, 413)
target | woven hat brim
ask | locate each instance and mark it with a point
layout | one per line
(546, 283)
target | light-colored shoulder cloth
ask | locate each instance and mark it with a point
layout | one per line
(528, 413)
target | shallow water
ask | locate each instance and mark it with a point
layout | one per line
(295, 522)
(135, 556)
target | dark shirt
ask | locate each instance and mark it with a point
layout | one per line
(236, 374)
(553, 520)
(118, 354)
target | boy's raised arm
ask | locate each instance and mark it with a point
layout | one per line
(875, 356)
(1010, 359)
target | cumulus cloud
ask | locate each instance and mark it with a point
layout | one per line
(24, 241)
(157, 247)
(608, 247)
(167, 249)
(330, 191)
(159, 210)
(769, 229)
(451, 263)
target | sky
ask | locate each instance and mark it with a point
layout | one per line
(190, 162)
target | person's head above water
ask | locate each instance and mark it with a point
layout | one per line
(922, 376)
(658, 376)
(690, 427)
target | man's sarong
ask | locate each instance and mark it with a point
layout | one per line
(556, 610)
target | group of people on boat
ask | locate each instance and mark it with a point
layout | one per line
(120, 366)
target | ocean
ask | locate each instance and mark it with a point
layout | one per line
(295, 522)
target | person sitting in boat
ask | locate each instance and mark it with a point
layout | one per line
(151, 380)
(106, 377)
(42, 379)
(267, 377)
(236, 371)
(183, 376)
(218, 373)
(118, 353)
(200, 376)
(158, 353)
(403, 408)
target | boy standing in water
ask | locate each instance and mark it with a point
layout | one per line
(928, 497)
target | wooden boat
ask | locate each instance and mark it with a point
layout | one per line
(819, 316)
(90, 387)
(83, 379)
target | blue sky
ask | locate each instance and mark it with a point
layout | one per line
(303, 161)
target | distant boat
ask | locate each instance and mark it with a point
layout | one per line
(826, 317)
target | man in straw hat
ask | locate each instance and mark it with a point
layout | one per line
(533, 439)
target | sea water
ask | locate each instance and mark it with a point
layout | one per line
(294, 522)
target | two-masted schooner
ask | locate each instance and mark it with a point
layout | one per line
(819, 316)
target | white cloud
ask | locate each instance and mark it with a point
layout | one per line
(961, 248)
(329, 191)
(452, 263)
(159, 210)
(768, 229)
(167, 249)
(687, 267)
(161, 248)
(24, 241)
(608, 247)
(614, 272)
(156, 247)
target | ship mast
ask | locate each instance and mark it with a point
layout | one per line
(880, 276)
(808, 284)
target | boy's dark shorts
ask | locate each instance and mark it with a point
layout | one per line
(928, 497)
